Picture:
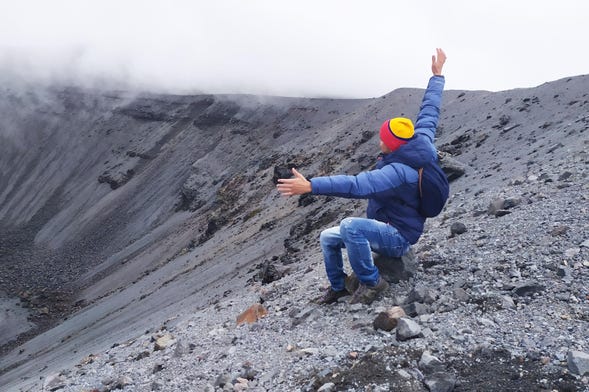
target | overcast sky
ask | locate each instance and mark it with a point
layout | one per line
(334, 48)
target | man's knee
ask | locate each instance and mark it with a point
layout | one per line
(324, 236)
(347, 226)
(329, 236)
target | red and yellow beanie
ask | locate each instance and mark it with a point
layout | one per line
(396, 132)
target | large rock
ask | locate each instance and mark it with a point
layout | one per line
(500, 206)
(407, 329)
(430, 364)
(578, 362)
(423, 294)
(528, 288)
(440, 382)
(117, 178)
(162, 342)
(453, 168)
(416, 309)
(54, 382)
(395, 269)
(388, 319)
(252, 314)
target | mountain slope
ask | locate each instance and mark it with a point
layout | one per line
(137, 210)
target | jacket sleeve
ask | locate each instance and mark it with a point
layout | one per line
(369, 184)
(429, 112)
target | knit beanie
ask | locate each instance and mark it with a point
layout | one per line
(396, 132)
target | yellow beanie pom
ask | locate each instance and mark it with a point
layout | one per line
(401, 127)
(396, 132)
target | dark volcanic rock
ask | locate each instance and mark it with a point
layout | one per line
(395, 269)
(457, 228)
(281, 172)
(528, 288)
(116, 179)
(453, 168)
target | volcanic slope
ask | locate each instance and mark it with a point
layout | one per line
(121, 214)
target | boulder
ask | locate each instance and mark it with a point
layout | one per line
(430, 364)
(407, 329)
(396, 269)
(388, 319)
(252, 314)
(54, 382)
(453, 168)
(163, 341)
(440, 382)
(578, 362)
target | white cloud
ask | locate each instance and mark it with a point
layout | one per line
(307, 47)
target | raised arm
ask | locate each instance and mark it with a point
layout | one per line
(438, 62)
(429, 112)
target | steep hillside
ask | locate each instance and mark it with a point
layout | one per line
(120, 213)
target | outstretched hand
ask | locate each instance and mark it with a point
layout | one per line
(438, 61)
(294, 186)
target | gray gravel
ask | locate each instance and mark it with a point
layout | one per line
(499, 300)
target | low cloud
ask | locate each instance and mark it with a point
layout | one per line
(328, 48)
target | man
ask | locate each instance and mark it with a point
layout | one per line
(393, 221)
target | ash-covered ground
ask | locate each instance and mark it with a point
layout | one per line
(135, 229)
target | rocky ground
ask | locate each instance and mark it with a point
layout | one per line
(153, 259)
(498, 302)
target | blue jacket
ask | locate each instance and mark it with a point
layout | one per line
(392, 187)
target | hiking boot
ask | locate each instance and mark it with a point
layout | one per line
(365, 294)
(330, 296)
(351, 282)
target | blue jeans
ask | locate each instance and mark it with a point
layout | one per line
(360, 236)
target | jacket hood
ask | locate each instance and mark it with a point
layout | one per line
(416, 153)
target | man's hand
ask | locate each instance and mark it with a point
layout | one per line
(294, 186)
(438, 62)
